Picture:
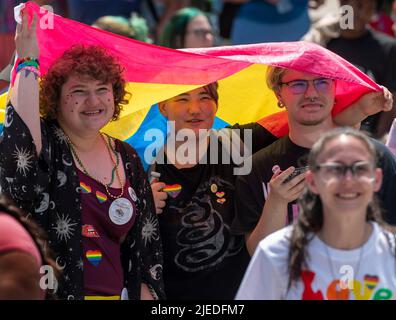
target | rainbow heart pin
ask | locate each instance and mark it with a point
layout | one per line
(94, 257)
(371, 281)
(85, 188)
(101, 197)
(220, 194)
(173, 190)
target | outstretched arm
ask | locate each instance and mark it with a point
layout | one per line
(25, 96)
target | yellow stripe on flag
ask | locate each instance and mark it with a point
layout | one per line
(143, 95)
(244, 97)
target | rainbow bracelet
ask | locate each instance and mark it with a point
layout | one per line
(27, 64)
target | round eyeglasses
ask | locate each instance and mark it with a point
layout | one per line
(300, 86)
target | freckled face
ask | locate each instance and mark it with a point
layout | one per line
(85, 104)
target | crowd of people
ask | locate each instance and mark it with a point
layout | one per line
(317, 201)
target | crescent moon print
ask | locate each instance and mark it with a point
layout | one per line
(52, 205)
(60, 266)
(65, 162)
(155, 270)
(8, 118)
(43, 204)
(24, 189)
(132, 194)
(61, 176)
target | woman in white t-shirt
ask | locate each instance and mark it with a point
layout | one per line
(339, 248)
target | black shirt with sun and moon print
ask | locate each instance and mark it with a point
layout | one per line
(48, 188)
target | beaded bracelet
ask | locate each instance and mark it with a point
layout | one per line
(28, 69)
(27, 64)
(29, 59)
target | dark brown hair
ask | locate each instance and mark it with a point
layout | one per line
(310, 220)
(212, 91)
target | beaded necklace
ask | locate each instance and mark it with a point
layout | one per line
(115, 168)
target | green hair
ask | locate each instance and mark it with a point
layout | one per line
(175, 30)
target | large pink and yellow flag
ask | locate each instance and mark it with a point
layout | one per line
(156, 73)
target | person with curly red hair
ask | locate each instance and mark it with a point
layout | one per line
(86, 189)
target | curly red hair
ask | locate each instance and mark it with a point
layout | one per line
(91, 61)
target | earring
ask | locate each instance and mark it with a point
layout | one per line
(281, 104)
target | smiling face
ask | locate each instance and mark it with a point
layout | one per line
(311, 107)
(343, 193)
(193, 110)
(86, 105)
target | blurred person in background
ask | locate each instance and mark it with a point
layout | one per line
(188, 28)
(371, 51)
(381, 20)
(259, 21)
(87, 11)
(22, 253)
(135, 27)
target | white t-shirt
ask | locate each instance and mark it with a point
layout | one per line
(374, 266)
